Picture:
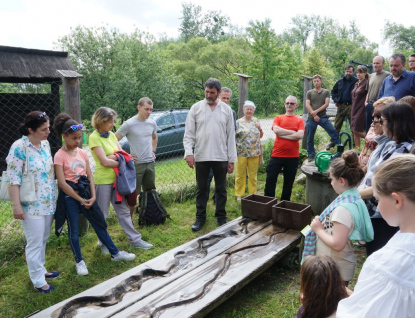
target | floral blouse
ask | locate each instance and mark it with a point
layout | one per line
(248, 141)
(41, 164)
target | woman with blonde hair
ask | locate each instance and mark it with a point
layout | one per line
(103, 144)
(386, 284)
(375, 131)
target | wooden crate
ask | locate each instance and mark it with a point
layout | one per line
(258, 207)
(291, 215)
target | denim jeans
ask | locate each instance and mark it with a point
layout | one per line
(274, 167)
(311, 127)
(73, 208)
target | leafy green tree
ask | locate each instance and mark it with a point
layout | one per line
(399, 37)
(210, 25)
(315, 63)
(273, 66)
(194, 62)
(118, 69)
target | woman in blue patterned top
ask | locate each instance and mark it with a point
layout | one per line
(36, 217)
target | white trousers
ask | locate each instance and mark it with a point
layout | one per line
(37, 230)
(105, 195)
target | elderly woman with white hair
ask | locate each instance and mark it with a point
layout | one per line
(248, 147)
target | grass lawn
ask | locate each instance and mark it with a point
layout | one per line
(272, 294)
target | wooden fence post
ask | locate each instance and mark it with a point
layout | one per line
(307, 87)
(72, 106)
(243, 92)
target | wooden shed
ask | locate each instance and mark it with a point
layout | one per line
(28, 67)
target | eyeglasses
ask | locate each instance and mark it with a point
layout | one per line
(41, 115)
(289, 103)
(376, 122)
(75, 128)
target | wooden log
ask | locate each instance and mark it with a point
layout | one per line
(307, 87)
(187, 281)
(243, 92)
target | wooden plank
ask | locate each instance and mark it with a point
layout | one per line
(198, 292)
(147, 278)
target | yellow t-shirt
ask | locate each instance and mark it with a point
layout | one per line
(103, 175)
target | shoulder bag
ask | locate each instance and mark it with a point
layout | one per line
(27, 186)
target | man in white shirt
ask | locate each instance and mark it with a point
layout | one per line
(210, 128)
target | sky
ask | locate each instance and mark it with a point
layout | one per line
(38, 24)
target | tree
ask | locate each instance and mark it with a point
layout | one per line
(273, 64)
(118, 69)
(195, 24)
(399, 37)
(315, 63)
(194, 62)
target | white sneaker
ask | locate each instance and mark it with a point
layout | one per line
(81, 268)
(122, 256)
(239, 199)
(103, 248)
(142, 244)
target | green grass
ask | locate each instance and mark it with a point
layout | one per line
(273, 294)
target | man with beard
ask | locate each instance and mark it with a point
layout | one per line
(342, 97)
(401, 82)
(210, 128)
(375, 82)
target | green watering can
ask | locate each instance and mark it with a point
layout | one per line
(323, 158)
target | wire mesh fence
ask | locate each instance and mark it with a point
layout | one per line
(171, 101)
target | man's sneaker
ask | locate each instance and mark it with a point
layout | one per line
(330, 145)
(103, 248)
(81, 268)
(142, 244)
(311, 159)
(122, 256)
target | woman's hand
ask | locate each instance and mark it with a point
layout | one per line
(257, 125)
(18, 212)
(88, 203)
(316, 225)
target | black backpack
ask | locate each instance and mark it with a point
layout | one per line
(151, 210)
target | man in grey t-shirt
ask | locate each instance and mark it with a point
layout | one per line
(141, 132)
(375, 82)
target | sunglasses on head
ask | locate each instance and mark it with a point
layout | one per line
(41, 115)
(75, 127)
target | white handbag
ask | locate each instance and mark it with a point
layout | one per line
(27, 186)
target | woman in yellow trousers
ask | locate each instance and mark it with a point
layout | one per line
(248, 147)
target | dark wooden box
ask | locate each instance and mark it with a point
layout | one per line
(291, 215)
(258, 207)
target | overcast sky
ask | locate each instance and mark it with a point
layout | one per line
(39, 23)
